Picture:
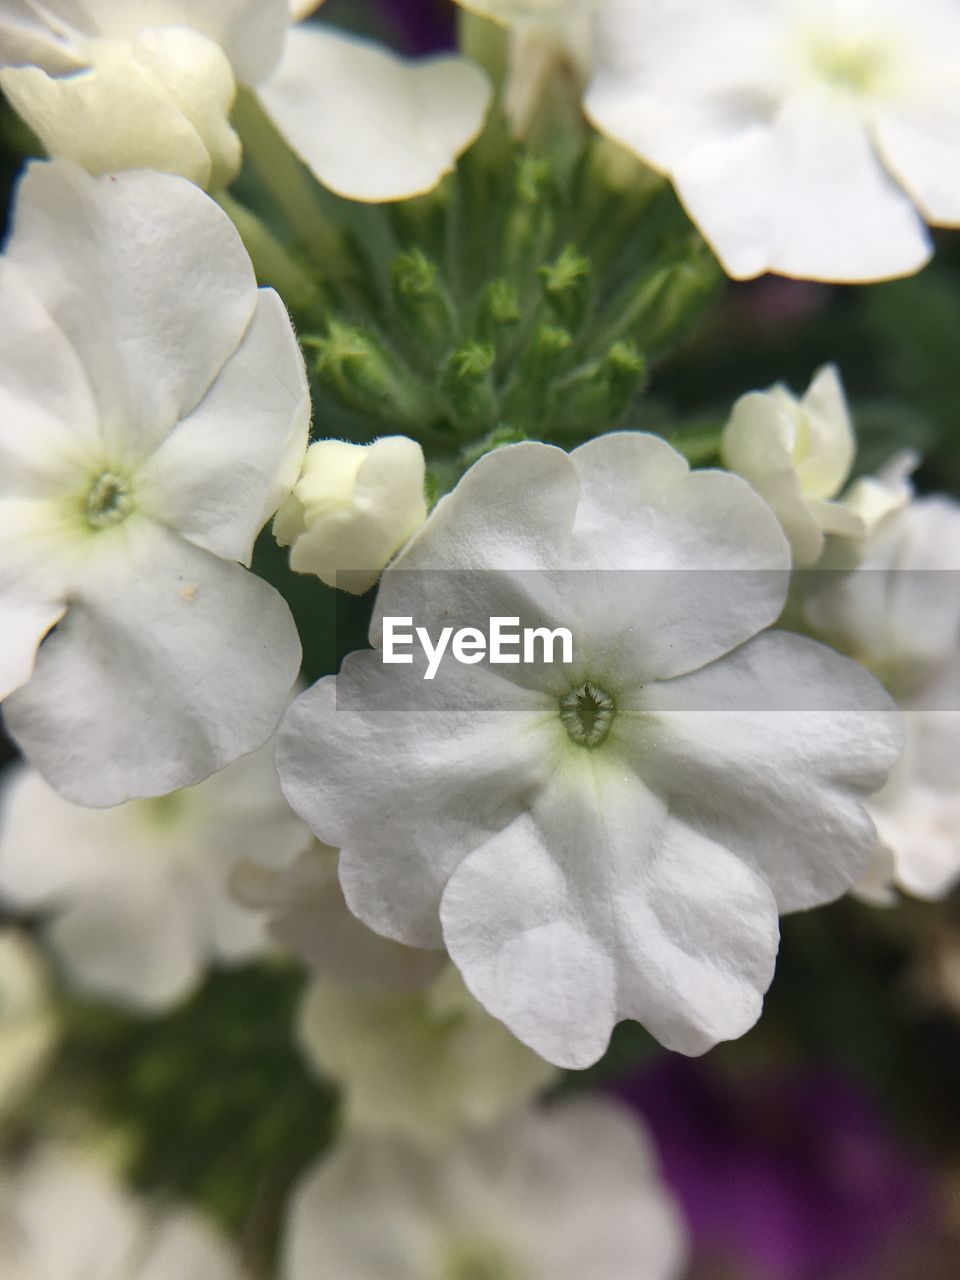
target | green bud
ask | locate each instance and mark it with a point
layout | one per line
(597, 395)
(356, 369)
(531, 217)
(422, 303)
(499, 309)
(663, 307)
(538, 367)
(567, 285)
(466, 385)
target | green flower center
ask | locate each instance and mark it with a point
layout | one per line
(851, 66)
(587, 713)
(109, 500)
(477, 1261)
(163, 811)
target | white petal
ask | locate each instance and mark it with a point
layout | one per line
(509, 511)
(170, 664)
(804, 195)
(783, 736)
(758, 443)
(619, 529)
(922, 149)
(50, 848)
(106, 121)
(158, 295)
(140, 944)
(368, 1209)
(569, 1192)
(603, 1212)
(594, 907)
(918, 812)
(699, 551)
(184, 1244)
(250, 31)
(423, 1066)
(369, 125)
(73, 1215)
(27, 39)
(669, 75)
(47, 414)
(23, 626)
(223, 471)
(309, 916)
(354, 750)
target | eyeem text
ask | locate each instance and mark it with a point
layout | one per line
(504, 642)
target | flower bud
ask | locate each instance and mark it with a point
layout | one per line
(596, 396)
(797, 454)
(422, 303)
(161, 101)
(467, 385)
(352, 510)
(358, 370)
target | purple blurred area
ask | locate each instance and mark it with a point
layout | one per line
(787, 1175)
(422, 26)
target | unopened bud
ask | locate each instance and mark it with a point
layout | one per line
(567, 284)
(467, 385)
(352, 510)
(597, 396)
(356, 369)
(422, 303)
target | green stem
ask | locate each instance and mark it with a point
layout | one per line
(272, 262)
(288, 182)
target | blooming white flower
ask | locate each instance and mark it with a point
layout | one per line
(62, 1217)
(560, 1195)
(138, 895)
(307, 914)
(114, 84)
(153, 415)
(807, 137)
(352, 509)
(611, 837)
(420, 1066)
(898, 613)
(28, 1021)
(798, 453)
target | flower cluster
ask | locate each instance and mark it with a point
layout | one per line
(422, 660)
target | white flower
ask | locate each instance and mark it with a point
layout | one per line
(806, 137)
(898, 613)
(153, 415)
(352, 509)
(28, 1021)
(114, 84)
(419, 1066)
(610, 838)
(62, 1217)
(138, 895)
(564, 1195)
(307, 914)
(798, 454)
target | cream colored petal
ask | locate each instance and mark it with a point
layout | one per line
(107, 121)
(370, 125)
